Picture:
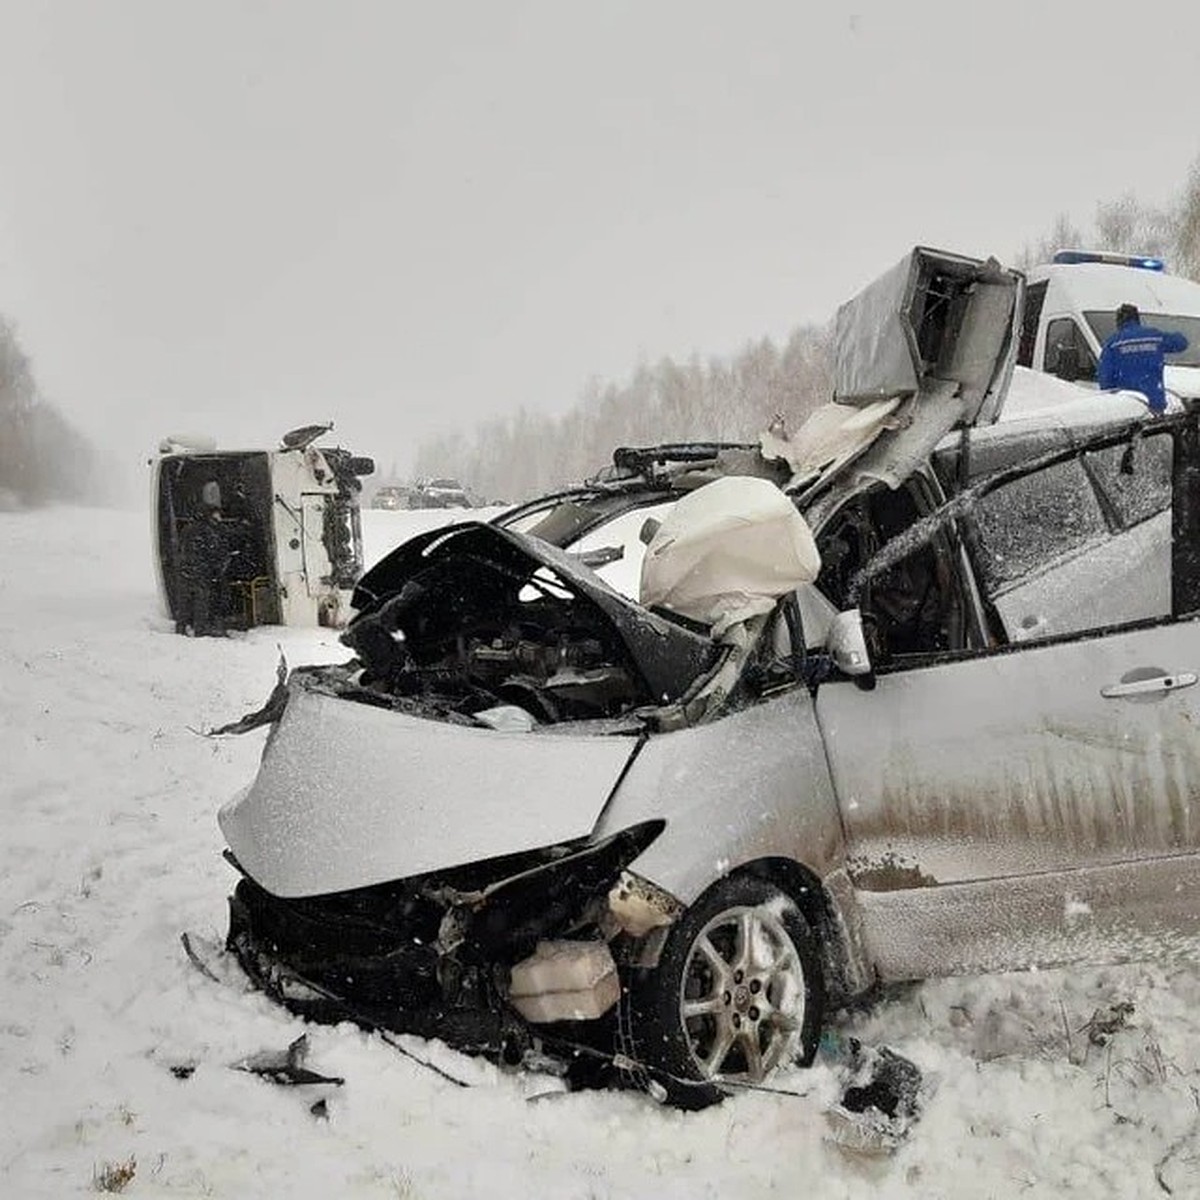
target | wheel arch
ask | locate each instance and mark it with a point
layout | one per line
(791, 904)
(831, 910)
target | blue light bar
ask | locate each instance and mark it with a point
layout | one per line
(1143, 262)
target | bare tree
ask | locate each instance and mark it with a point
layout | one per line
(1187, 226)
(1063, 233)
(1129, 225)
(734, 399)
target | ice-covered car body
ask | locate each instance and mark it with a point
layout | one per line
(608, 824)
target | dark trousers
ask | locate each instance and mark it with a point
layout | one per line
(202, 610)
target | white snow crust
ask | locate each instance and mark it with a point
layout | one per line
(110, 849)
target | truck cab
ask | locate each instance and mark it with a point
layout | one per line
(1070, 310)
(290, 531)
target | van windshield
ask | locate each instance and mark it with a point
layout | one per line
(1103, 324)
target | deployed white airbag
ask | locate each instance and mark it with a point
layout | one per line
(727, 552)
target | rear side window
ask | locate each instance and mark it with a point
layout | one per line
(1135, 479)
(1030, 523)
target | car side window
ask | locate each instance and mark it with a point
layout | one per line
(1067, 353)
(1135, 478)
(1035, 298)
(913, 604)
(1034, 521)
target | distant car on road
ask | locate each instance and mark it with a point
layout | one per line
(392, 498)
(439, 493)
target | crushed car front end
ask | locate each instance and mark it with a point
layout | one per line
(417, 849)
(479, 956)
(444, 832)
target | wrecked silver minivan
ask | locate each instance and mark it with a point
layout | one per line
(849, 730)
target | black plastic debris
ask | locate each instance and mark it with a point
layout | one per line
(285, 1067)
(892, 1084)
(1105, 1022)
(881, 1099)
(271, 711)
(195, 959)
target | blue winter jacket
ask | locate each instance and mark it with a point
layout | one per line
(1132, 360)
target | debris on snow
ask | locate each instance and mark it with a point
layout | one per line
(880, 1102)
(1104, 1022)
(114, 1176)
(195, 958)
(270, 711)
(286, 1067)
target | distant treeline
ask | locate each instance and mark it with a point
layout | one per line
(1129, 226)
(734, 399)
(720, 400)
(42, 458)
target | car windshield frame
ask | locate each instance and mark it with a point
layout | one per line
(1103, 323)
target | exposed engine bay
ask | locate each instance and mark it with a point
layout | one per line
(474, 619)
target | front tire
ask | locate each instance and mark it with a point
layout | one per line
(736, 994)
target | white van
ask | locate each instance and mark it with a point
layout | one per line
(291, 520)
(1071, 305)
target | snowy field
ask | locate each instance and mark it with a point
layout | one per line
(116, 1051)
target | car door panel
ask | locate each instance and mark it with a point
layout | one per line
(1040, 805)
(1009, 764)
(1126, 911)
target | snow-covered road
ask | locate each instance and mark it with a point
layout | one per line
(113, 1047)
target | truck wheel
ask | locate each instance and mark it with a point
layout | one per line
(737, 993)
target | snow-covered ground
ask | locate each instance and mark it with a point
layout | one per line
(113, 1047)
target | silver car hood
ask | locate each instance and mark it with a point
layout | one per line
(349, 795)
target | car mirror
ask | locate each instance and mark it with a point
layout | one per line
(847, 647)
(650, 527)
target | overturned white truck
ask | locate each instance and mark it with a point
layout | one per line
(283, 542)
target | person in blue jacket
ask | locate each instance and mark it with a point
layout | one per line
(1132, 357)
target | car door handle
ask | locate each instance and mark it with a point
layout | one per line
(1157, 683)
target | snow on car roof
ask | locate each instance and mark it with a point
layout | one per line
(1088, 286)
(1035, 396)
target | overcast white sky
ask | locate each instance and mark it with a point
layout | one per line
(235, 216)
